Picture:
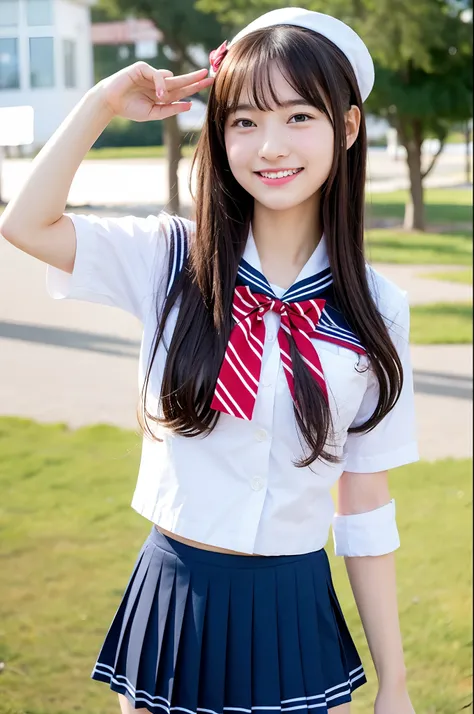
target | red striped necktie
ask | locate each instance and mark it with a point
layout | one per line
(239, 376)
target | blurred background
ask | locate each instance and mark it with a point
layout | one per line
(69, 440)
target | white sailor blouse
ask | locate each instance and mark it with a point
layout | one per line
(238, 487)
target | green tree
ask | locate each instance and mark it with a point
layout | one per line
(183, 27)
(422, 50)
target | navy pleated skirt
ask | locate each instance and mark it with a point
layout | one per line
(200, 631)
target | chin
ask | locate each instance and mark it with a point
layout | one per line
(279, 203)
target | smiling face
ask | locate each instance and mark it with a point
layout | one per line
(283, 155)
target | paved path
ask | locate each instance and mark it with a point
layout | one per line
(144, 182)
(425, 290)
(77, 362)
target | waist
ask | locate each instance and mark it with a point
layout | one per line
(203, 546)
(190, 554)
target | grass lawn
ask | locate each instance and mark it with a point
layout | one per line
(457, 137)
(386, 245)
(443, 205)
(451, 276)
(134, 152)
(441, 324)
(69, 540)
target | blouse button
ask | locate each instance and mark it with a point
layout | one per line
(271, 336)
(257, 483)
(260, 434)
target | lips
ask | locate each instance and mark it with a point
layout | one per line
(279, 171)
(279, 180)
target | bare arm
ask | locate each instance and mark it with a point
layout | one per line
(43, 197)
(373, 581)
(33, 220)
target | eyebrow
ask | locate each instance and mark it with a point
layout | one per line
(284, 105)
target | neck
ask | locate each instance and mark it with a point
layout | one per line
(286, 239)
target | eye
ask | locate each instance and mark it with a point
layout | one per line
(237, 122)
(301, 115)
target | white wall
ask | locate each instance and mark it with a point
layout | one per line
(51, 105)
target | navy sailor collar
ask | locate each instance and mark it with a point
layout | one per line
(314, 280)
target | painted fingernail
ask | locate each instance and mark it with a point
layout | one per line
(160, 93)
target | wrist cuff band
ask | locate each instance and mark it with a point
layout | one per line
(371, 533)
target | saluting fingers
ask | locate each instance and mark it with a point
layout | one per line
(184, 80)
(163, 111)
(188, 90)
(149, 74)
(159, 76)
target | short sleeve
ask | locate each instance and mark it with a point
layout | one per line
(117, 262)
(393, 442)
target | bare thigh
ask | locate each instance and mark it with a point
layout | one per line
(126, 707)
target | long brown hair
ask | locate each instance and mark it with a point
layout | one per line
(322, 75)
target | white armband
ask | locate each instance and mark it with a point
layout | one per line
(371, 533)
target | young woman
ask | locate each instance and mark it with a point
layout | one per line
(275, 362)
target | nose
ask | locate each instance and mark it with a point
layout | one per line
(273, 147)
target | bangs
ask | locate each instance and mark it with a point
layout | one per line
(249, 69)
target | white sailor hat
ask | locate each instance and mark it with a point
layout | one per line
(335, 30)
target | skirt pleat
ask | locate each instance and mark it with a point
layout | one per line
(349, 652)
(171, 615)
(105, 669)
(147, 665)
(292, 680)
(212, 680)
(199, 631)
(238, 681)
(139, 666)
(131, 605)
(334, 672)
(265, 655)
(310, 637)
(188, 665)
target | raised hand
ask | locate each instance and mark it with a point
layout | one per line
(142, 93)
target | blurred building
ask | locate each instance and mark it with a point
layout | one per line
(140, 32)
(51, 53)
(120, 43)
(46, 59)
(376, 128)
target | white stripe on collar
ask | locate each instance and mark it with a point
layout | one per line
(317, 261)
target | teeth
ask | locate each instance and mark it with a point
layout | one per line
(278, 174)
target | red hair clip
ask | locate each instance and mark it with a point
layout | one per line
(216, 56)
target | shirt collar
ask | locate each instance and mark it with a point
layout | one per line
(317, 261)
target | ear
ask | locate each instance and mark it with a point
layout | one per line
(352, 121)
